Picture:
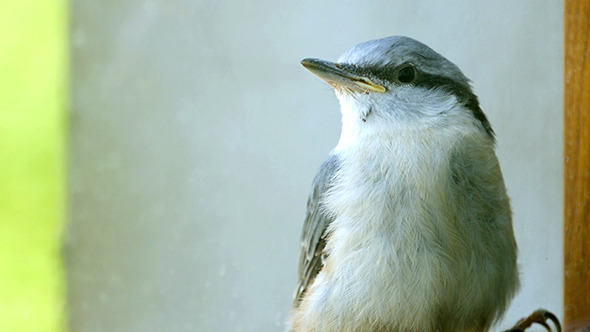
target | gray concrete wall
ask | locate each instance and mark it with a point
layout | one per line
(195, 135)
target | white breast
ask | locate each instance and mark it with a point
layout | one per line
(383, 255)
(399, 252)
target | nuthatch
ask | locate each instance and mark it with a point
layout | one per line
(408, 225)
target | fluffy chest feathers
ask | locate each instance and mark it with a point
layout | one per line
(398, 247)
(420, 237)
(387, 176)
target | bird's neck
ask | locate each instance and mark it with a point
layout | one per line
(365, 125)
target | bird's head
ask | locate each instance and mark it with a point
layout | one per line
(398, 82)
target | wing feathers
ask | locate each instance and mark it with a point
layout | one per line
(317, 220)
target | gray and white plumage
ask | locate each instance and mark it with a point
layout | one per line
(408, 226)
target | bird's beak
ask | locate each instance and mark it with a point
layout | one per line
(339, 77)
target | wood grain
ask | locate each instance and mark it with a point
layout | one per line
(577, 166)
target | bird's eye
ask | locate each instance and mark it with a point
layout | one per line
(406, 74)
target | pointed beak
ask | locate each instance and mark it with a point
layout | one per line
(341, 77)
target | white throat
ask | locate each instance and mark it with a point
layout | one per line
(379, 116)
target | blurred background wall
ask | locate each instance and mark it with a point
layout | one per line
(33, 96)
(195, 135)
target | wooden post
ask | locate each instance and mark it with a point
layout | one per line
(577, 166)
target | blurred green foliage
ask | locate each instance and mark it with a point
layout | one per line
(33, 90)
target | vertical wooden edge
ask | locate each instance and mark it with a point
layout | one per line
(577, 165)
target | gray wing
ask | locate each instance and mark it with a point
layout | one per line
(483, 207)
(313, 238)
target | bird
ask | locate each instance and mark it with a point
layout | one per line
(408, 224)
